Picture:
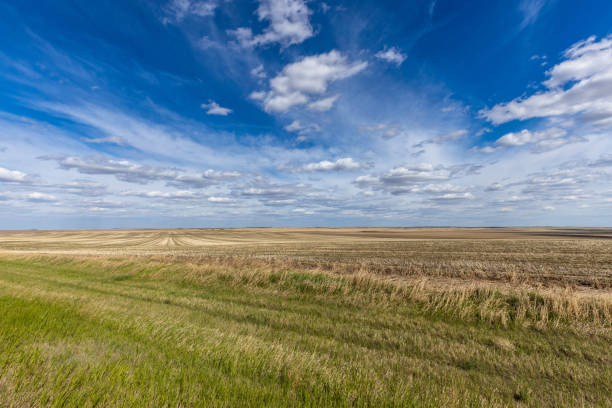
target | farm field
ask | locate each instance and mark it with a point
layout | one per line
(306, 317)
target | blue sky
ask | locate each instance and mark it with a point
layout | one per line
(208, 113)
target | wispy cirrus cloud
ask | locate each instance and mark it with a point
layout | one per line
(446, 137)
(530, 9)
(130, 172)
(178, 10)
(385, 130)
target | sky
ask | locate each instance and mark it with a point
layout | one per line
(231, 113)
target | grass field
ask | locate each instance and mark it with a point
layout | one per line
(306, 317)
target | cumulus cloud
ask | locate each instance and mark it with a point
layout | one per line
(288, 24)
(172, 195)
(451, 198)
(572, 182)
(346, 163)
(400, 179)
(37, 197)
(136, 173)
(273, 194)
(411, 178)
(323, 104)
(517, 138)
(12, 176)
(297, 127)
(540, 141)
(580, 85)
(259, 72)
(392, 55)
(294, 126)
(298, 81)
(214, 199)
(213, 108)
(566, 180)
(441, 189)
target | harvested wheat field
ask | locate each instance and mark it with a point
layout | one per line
(306, 317)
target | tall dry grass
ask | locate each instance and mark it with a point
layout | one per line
(470, 298)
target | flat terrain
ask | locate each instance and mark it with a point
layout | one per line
(306, 317)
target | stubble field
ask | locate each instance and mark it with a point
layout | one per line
(306, 317)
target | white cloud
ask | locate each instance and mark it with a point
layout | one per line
(530, 10)
(259, 72)
(546, 145)
(437, 189)
(541, 141)
(447, 137)
(213, 108)
(107, 139)
(323, 104)
(220, 199)
(181, 194)
(136, 173)
(40, 197)
(515, 138)
(165, 137)
(580, 85)
(206, 43)
(484, 149)
(346, 163)
(450, 198)
(294, 126)
(178, 10)
(297, 127)
(411, 178)
(295, 84)
(258, 95)
(12, 176)
(387, 131)
(392, 55)
(302, 211)
(402, 179)
(288, 24)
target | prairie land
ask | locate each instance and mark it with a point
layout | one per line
(306, 317)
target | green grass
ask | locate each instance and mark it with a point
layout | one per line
(78, 332)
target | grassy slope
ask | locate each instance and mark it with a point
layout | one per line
(113, 333)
